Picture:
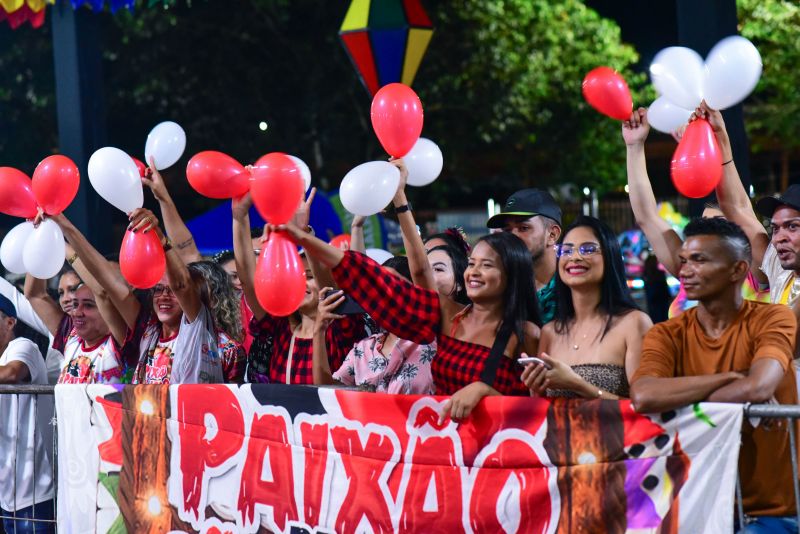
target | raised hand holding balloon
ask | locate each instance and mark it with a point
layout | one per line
(277, 190)
(697, 162)
(607, 92)
(142, 260)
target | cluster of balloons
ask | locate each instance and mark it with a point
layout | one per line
(397, 120)
(40, 250)
(117, 178)
(727, 76)
(277, 189)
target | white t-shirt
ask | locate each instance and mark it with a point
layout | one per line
(27, 315)
(18, 425)
(191, 357)
(100, 364)
(777, 275)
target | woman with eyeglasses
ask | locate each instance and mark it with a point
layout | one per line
(187, 330)
(592, 348)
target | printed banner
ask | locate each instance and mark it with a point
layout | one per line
(294, 459)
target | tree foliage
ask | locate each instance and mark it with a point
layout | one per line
(501, 87)
(772, 110)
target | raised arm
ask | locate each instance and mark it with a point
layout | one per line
(665, 241)
(243, 252)
(408, 311)
(357, 241)
(421, 272)
(733, 199)
(320, 366)
(25, 311)
(180, 279)
(112, 317)
(322, 274)
(102, 271)
(45, 307)
(182, 239)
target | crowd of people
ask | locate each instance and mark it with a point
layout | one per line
(449, 317)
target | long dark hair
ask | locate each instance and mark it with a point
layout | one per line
(615, 297)
(519, 298)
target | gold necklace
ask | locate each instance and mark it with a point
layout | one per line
(577, 345)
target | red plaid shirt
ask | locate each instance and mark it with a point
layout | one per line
(342, 334)
(411, 312)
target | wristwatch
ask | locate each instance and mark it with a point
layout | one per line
(402, 209)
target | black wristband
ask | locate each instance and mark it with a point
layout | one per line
(402, 209)
(729, 161)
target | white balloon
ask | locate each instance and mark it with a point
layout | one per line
(368, 188)
(165, 143)
(305, 172)
(379, 255)
(733, 68)
(13, 246)
(44, 252)
(665, 116)
(678, 74)
(115, 177)
(424, 162)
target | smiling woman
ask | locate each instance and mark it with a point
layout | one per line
(592, 347)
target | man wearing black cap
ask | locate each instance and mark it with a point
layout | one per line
(21, 444)
(533, 216)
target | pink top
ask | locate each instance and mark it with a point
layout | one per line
(406, 371)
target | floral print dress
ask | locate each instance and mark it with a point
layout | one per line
(406, 370)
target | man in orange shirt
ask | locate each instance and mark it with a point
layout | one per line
(728, 349)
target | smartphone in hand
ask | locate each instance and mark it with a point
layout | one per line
(532, 359)
(348, 307)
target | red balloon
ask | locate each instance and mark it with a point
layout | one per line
(341, 241)
(16, 194)
(280, 279)
(141, 166)
(141, 259)
(697, 162)
(397, 118)
(55, 183)
(277, 187)
(606, 91)
(217, 175)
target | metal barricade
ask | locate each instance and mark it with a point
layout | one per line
(36, 394)
(24, 406)
(791, 413)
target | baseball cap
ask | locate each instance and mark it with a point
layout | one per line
(791, 197)
(527, 202)
(7, 307)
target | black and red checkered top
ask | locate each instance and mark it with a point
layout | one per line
(411, 312)
(342, 334)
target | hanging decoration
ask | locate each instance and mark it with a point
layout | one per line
(386, 40)
(18, 12)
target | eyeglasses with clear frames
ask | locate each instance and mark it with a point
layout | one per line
(584, 249)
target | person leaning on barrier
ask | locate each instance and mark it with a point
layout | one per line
(727, 349)
(23, 459)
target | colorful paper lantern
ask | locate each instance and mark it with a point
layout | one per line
(386, 40)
